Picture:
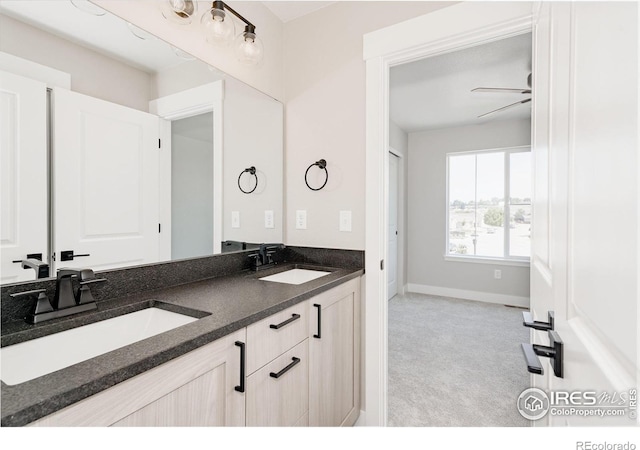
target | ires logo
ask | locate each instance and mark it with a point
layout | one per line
(534, 404)
(588, 398)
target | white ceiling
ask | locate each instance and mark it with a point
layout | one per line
(435, 92)
(290, 10)
(106, 34)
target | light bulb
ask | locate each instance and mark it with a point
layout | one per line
(179, 11)
(249, 48)
(217, 27)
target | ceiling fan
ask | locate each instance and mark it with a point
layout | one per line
(506, 91)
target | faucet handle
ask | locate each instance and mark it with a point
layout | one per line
(82, 274)
(42, 304)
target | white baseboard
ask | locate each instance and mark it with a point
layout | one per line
(487, 297)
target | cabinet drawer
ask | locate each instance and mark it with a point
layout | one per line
(272, 336)
(281, 401)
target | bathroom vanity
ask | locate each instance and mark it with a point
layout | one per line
(259, 353)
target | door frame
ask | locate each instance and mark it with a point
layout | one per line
(400, 223)
(452, 28)
(191, 102)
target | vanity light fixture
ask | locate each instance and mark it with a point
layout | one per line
(179, 11)
(218, 27)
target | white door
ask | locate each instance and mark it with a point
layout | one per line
(585, 231)
(393, 227)
(23, 174)
(105, 187)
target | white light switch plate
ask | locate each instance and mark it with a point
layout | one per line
(345, 220)
(268, 219)
(235, 219)
(301, 219)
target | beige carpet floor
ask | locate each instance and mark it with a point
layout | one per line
(455, 363)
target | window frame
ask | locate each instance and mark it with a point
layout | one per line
(500, 260)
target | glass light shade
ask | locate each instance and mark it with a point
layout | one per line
(249, 49)
(218, 27)
(179, 11)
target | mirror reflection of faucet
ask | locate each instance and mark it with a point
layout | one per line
(264, 258)
(65, 301)
(34, 261)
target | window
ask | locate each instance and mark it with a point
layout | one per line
(489, 204)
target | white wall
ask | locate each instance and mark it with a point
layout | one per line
(399, 142)
(268, 77)
(187, 75)
(325, 114)
(191, 196)
(427, 210)
(252, 137)
(91, 73)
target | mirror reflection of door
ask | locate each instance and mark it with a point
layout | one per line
(192, 186)
(23, 181)
(105, 183)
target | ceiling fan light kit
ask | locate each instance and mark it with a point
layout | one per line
(503, 90)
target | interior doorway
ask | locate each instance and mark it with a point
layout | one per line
(465, 118)
(192, 186)
(383, 50)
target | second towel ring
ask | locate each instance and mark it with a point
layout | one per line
(252, 171)
(322, 164)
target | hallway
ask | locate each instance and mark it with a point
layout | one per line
(454, 362)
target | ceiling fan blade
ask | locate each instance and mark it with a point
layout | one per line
(502, 90)
(526, 100)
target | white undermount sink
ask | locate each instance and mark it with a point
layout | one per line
(295, 276)
(32, 359)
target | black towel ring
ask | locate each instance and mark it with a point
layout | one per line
(322, 164)
(252, 171)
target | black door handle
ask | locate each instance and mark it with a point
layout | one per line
(68, 255)
(286, 322)
(317, 336)
(240, 388)
(555, 352)
(286, 369)
(527, 321)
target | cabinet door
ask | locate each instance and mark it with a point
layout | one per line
(196, 389)
(334, 356)
(281, 401)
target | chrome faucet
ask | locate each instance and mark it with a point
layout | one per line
(65, 302)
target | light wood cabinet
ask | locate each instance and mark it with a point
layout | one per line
(270, 337)
(334, 356)
(196, 389)
(301, 368)
(278, 394)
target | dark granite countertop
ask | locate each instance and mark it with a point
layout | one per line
(223, 304)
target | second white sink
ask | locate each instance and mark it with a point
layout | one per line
(295, 276)
(32, 359)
